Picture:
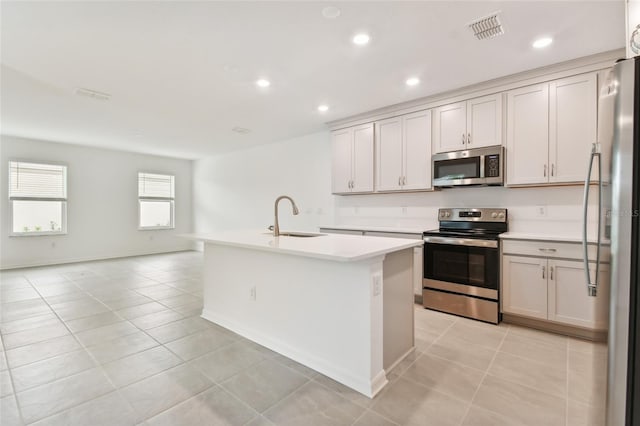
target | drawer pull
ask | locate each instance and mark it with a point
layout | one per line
(547, 250)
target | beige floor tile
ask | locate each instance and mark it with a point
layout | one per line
(588, 378)
(127, 302)
(551, 352)
(121, 347)
(9, 414)
(106, 332)
(93, 321)
(156, 319)
(29, 323)
(369, 418)
(140, 310)
(52, 369)
(526, 405)
(139, 366)
(260, 421)
(314, 405)
(586, 346)
(34, 335)
(107, 410)
(182, 300)
(435, 322)
(155, 394)
(200, 343)
(344, 391)
(6, 387)
(408, 403)
(477, 416)
(18, 294)
(211, 407)
(296, 366)
(488, 337)
(462, 352)
(263, 384)
(425, 338)
(42, 350)
(585, 415)
(177, 329)
(43, 401)
(228, 361)
(23, 309)
(546, 377)
(439, 374)
(531, 333)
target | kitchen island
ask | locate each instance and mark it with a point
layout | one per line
(339, 304)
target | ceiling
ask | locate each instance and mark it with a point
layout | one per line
(181, 75)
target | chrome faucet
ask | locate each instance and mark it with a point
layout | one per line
(276, 226)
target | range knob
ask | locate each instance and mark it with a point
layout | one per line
(501, 215)
(494, 215)
(447, 214)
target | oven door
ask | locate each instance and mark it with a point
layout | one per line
(470, 268)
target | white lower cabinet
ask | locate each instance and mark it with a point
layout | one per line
(553, 289)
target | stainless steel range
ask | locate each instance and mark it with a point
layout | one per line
(462, 263)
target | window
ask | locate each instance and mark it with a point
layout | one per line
(155, 198)
(37, 198)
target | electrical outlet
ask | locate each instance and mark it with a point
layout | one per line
(252, 293)
(377, 285)
(541, 211)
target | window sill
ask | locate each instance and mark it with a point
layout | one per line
(36, 234)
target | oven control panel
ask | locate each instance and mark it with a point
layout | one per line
(472, 215)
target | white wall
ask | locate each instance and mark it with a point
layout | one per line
(237, 190)
(102, 208)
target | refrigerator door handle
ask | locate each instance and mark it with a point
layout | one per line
(592, 287)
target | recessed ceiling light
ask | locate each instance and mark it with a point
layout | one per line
(361, 39)
(331, 12)
(263, 83)
(412, 81)
(323, 108)
(542, 42)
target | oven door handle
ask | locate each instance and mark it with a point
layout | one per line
(461, 242)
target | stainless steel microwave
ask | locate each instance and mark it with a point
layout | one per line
(480, 166)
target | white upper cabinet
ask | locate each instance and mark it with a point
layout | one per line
(352, 159)
(450, 127)
(528, 135)
(403, 152)
(572, 126)
(474, 123)
(550, 130)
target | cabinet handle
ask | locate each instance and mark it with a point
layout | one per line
(404, 180)
(544, 272)
(469, 138)
(553, 169)
(350, 184)
(547, 250)
(545, 170)
(551, 273)
(400, 181)
(463, 139)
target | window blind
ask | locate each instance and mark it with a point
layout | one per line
(37, 181)
(155, 186)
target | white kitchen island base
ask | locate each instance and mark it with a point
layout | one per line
(348, 318)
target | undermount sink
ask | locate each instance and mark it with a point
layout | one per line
(298, 234)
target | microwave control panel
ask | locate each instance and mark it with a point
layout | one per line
(492, 165)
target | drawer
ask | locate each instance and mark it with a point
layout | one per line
(552, 249)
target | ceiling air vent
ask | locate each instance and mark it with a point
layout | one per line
(241, 130)
(487, 27)
(93, 94)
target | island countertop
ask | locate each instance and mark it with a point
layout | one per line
(340, 248)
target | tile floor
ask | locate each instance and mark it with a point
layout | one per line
(119, 342)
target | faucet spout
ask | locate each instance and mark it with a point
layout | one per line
(276, 225)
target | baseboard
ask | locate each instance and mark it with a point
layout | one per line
(400, 359)
(367, 388)
(91, 258)
(566, 330)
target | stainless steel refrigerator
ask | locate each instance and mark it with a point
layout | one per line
(622, 103)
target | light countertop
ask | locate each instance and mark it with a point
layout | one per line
(336, 247)
(548, 237)
(400, 230)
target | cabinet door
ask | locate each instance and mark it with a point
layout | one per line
(362, 174)
(341, 159)
(569, 301)
(389, 154)
(417, 150)
(528, 135)
(450, 127)
(524, 286)
(484, 121)
(572, 126)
